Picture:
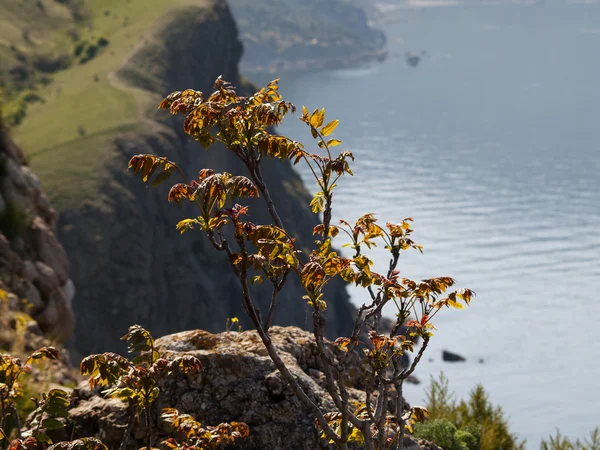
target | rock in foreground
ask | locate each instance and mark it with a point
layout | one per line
(238, 382)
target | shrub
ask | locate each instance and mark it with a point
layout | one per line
(90, 52)
(134, 381)
(268, 253)
(102, 42)
(478, 423)
(440, 431)
(560, 442)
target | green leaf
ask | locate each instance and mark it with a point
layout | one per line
(52, 424)
(42, 437)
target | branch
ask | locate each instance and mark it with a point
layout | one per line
(408, 372)
(257, 177)
(279, 364)
(276, 289)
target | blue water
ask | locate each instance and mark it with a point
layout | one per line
(492, 145)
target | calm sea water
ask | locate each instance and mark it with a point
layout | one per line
(492, 145)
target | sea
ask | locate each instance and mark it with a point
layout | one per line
(491, 143)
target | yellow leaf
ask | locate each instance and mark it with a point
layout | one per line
(186, 225)
(455, 304)
(320, 118)
(333, 142)
(328, 129)
(314, 118)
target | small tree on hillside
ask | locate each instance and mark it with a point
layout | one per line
(267, 252)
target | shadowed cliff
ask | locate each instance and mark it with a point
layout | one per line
(128, 262)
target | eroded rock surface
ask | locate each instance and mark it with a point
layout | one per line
(238, 382)
(34, 269)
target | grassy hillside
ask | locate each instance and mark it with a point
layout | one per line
(75, 103)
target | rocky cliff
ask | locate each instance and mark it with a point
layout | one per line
(34, 270)
(128, 262)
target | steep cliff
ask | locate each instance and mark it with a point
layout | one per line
(35, 288)
(128, 262)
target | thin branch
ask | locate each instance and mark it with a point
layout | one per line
(257, 177)
(276, 289)
(279, 364)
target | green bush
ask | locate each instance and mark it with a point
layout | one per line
(465, 440)
(478, 424)
(440, 431)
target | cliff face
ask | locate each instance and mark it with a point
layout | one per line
(128, 262)
(34, 270)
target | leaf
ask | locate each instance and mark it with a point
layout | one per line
(42, 437)
(52, 424)
(419, 413)
(455, 304)
(256, 280)
(317, 204)
(328, 129)
(342, 343)
(186, 225)
(317, 117)
(147, 164)
(239, 186)
(356, 436)
(163, 176)
(181, 191)
(138, 339)
(45, 353)
(333, 142)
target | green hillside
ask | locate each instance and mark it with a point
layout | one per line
(60, 59)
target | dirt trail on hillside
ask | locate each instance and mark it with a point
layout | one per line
(118, 83)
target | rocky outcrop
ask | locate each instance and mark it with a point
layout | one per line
(34, 268)
(238, 382)
(128, 262)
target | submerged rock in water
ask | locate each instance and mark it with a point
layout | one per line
(452, 357)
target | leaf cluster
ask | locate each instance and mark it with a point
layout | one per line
(135, 381)
(198, 436)
(49, 415)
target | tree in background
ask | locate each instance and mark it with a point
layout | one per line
(267, 253)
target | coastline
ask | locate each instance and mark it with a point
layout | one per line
(283, 65)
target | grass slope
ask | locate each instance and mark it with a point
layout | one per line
(67, 134)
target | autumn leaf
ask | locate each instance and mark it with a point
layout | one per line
(328, 129)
